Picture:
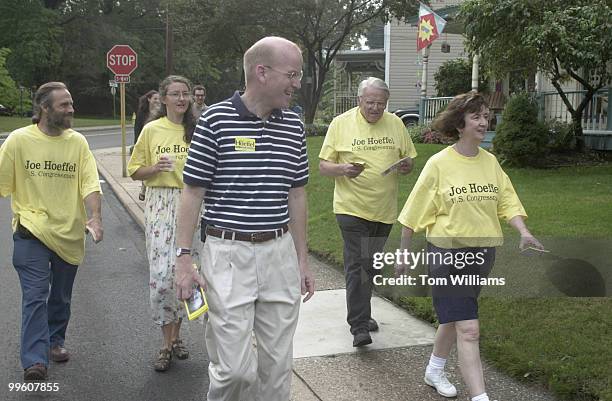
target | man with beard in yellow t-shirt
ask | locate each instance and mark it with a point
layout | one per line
(359, 147)
(51, 176)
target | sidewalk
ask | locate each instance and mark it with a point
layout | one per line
(326, 366)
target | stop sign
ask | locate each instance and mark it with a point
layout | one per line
(122, 60)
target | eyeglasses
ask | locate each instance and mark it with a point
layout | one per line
(178, 95)
(378, 105)
(291, 75)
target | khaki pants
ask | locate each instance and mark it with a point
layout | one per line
(251, 288)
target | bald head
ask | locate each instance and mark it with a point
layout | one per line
(266, 51)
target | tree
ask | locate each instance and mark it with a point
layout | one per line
(210, 39)
(455, 77)
(375, 36)
(33, 34)
(90, 30)
(521, 139)
(68, 40)
(559, 37)
(9, 94)
(321, 28)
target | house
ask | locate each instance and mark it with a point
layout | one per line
(404, 75)
(399, 64)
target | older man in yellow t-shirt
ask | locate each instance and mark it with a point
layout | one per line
(358, 150)
(51, 176)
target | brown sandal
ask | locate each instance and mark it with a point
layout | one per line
(163, 360)
(179, 350)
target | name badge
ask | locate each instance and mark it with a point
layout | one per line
(244, 144)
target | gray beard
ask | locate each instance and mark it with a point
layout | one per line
(59, 121)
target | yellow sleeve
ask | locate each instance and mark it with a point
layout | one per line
(140, 152)
(328, 150)
(90, 182)
(509, 204)
(7, 167)
(422, 206)
(407, 148)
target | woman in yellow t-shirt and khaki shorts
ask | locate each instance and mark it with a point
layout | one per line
(458, 199)
(158, 159)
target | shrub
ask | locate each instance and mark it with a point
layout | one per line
(424, 134)
(416, 132)
(455, 77)
(521, 139)
(431, 136)
(561, 136)
(316, 129)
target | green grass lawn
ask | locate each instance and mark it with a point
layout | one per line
(563, 343)
(8, 124)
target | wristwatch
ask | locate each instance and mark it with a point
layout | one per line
(182, 251)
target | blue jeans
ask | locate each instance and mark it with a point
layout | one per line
(46, 288)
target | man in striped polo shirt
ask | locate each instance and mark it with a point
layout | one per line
(248, 161)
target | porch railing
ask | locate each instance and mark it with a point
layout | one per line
(594, 117)
(344, 101)
(430, 106)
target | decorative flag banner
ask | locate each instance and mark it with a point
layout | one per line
(430, 26)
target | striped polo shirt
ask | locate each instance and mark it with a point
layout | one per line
(247, 165)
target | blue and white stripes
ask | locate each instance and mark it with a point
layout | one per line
(247, 165)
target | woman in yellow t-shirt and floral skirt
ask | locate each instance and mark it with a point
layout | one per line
(158, 159)
(458, 199)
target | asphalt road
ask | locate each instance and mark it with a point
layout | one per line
(104, 138)
(108, 138)
(111, 336)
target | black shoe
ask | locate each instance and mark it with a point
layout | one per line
(372, 325)
(361, 338)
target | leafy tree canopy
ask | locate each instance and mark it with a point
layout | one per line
(552, 35)
(559, 37)
(9, 93)
(321, 27)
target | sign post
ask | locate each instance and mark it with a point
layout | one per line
(122, 60)
(113, 89)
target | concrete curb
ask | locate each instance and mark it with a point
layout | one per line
(134, 209)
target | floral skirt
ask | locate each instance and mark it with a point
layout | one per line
(161, 210)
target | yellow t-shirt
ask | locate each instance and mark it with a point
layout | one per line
(351, 138)
(460, 199)
(158, 137)
(47, 178)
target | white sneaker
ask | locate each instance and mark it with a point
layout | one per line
(441, 384)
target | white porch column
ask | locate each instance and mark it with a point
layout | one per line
(475, 60)
(538, 81)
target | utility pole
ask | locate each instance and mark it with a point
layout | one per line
(168, 43)
(21, 88)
